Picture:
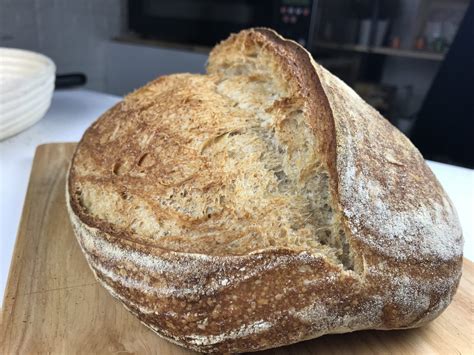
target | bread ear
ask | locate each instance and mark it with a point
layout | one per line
(390, 200)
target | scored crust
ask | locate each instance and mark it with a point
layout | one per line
(226, 276)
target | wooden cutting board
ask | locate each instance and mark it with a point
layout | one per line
(54, 305)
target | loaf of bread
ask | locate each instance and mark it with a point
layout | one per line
(261, 204)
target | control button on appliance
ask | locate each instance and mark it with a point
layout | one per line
(283, 9)
(290, 10)
(293, 19)
(306, 12)
(286, 19)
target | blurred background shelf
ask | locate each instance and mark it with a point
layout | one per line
(342, 46)
(418, 54)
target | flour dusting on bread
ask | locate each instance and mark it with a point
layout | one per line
(401, 207)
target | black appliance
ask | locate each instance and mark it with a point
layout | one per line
(206, 22)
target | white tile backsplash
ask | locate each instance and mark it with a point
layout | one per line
(72, 32)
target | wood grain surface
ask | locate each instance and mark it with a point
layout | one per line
(54, 305)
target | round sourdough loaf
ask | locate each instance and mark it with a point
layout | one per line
(261, 204)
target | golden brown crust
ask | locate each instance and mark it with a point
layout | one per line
(228, 301)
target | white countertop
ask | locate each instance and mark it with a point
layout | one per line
(72, 111)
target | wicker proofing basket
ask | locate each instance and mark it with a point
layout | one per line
(26, 87)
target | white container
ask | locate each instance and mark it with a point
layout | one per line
(26, 88)
(382, 26)
(364, 32)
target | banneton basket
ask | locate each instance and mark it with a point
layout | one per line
(26, 88)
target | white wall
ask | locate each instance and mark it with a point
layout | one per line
(129, 66)
(74, 33)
